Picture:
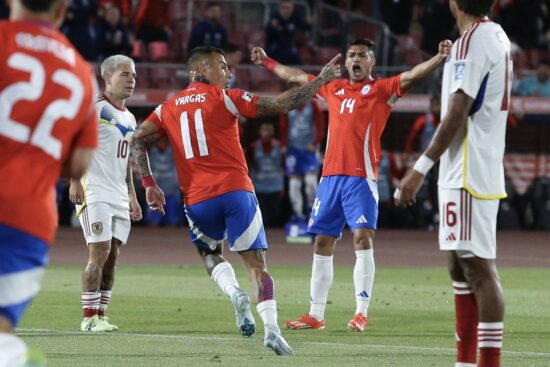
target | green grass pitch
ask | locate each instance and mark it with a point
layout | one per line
(173, 315)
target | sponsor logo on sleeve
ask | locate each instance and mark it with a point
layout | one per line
(459, 70)
(247, 96)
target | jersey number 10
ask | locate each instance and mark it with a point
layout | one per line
(186, 135)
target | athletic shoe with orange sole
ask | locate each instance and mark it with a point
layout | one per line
(305, 322)
(358, 323)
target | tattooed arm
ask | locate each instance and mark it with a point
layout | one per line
(144, 136)
(289, 100)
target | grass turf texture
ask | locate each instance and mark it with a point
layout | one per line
(176, 316)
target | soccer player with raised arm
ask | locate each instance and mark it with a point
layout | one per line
(358, 111)
(48, 128)
(105, 198)
(201, 124)
(469, 142)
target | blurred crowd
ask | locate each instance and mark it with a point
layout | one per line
(151, 31)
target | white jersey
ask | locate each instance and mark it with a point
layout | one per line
(105, 180)
(480, 65)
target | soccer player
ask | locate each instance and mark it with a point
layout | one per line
(105, 198)
(301, 132)
(358, 111)
(475, 99)
(48, 127)
(201, 124)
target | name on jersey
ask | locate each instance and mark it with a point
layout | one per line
(46, 44)
(193, 98)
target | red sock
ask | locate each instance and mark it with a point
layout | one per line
(466, 323)
(490, 343)
(90, 303)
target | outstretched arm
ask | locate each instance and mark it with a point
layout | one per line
(144, 136)
(424, 69)
(459, 107)
(287, 73)
(289, 100)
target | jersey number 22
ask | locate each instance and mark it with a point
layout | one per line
(33, 90)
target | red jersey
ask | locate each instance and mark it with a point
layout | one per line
(47, 94)
(201, 123)
(357, 115)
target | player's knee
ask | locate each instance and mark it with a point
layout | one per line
(363, 239)
(324, 245)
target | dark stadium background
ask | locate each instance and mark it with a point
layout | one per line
(157, 34)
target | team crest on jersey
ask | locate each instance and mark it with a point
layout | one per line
(97, 228)
(365, 90)
(247, 96)
(459, 70)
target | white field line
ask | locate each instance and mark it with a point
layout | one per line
(27, 332)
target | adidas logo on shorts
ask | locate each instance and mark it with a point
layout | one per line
(361, 220)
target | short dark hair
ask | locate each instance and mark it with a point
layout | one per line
(363, 42)
(476, 8)
(202, 52)
(39, 6)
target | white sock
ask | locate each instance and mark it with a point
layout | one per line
(104, 302)
(321, 280)
(363, 278)
(295, 195)
(268, 314)
(13, 350)
(224, 276)
(311, 182)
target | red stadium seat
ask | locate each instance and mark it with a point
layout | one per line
(137, 50)
(158, 51)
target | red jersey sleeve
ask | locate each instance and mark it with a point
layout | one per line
(240, 102)
(323, 91)
(388, 87)
(87, 136)
(156, 118)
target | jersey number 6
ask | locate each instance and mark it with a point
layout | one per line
(32, 90)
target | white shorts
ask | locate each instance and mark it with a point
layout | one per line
(467, 224)
(102, 221)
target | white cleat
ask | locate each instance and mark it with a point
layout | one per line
(245, 320)
(95, 325)
(277, 343)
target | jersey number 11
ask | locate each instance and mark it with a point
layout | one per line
(186, 135)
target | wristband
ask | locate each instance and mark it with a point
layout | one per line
(423, 164)
(148, 181)
(270, 64)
